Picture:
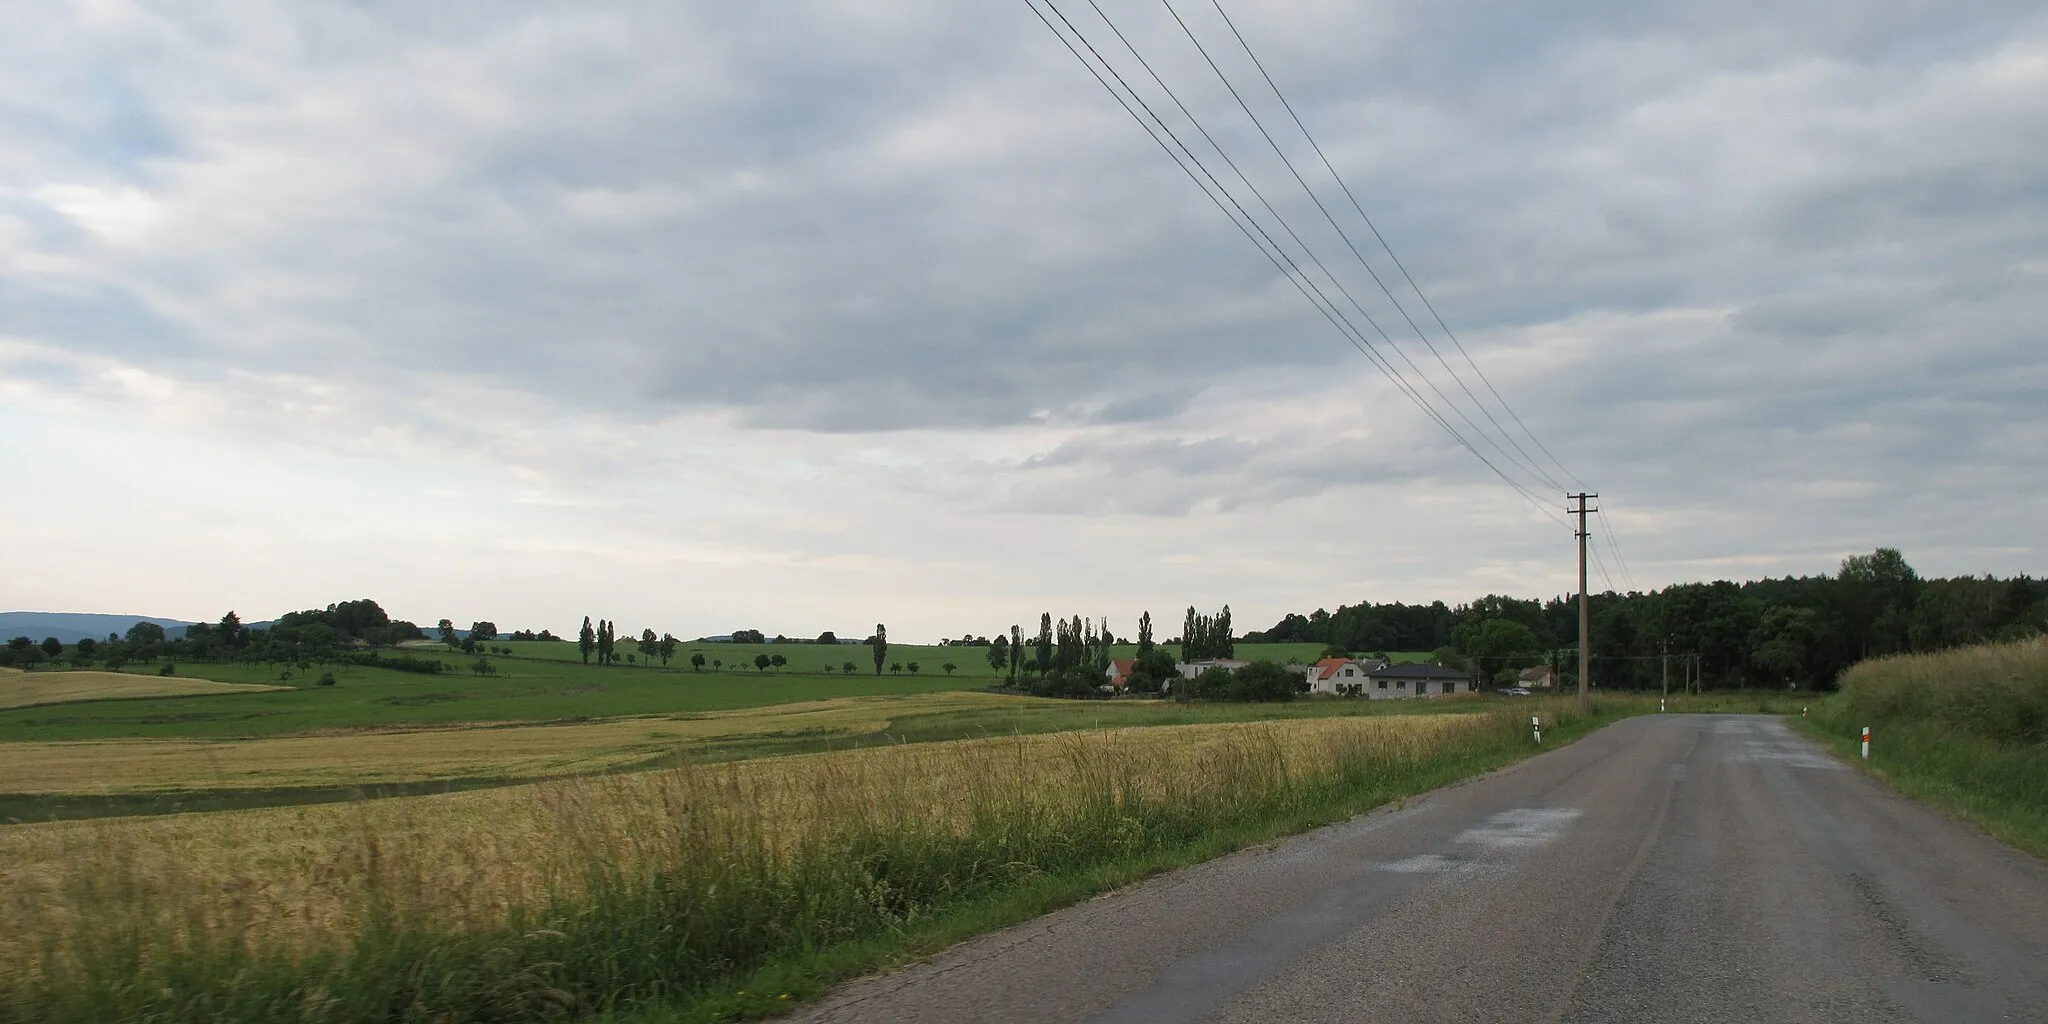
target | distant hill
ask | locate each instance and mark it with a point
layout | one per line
(71, 627)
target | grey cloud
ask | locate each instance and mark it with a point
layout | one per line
(924, 215)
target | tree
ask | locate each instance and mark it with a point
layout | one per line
(668, 648)
(650, 645)
(949, 667)
(52, 647)
(697, 660)
(145, 633)
(86, 646)
(586, 640)
(1145, 633)
(716, 665)
(896, 666)
(999, 654)
(913, 668)
(761, 662)
(778, 661)
(447, 630)
(1504, 644)
(483, 632)
(880, 642)
(1044, 644)
(827, 638)
(847, 668)
(1016, 651)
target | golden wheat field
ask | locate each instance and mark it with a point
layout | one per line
(21, 689)
(301, 877)
(436, 753)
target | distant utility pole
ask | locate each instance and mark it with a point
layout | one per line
(1585, 616)
(1667, 669)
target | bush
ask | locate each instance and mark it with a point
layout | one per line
(401, 662)
(326, 679)
(1258, 681)
(168, 670)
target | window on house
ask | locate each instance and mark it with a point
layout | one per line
(1348, 673)
(1383, 684)
(1402, 685)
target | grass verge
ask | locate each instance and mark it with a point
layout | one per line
(696, 894)
(1963, 730)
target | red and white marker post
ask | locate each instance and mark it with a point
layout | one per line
(1536, 725)
(1866, 743)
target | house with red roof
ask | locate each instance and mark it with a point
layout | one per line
(1342, 677)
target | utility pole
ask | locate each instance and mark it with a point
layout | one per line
(1585, 616)
(1667, 670)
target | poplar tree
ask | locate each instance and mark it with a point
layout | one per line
(881, 643)
(1044, 642)
(1145, 633)
(1016, 650)
(586, 641)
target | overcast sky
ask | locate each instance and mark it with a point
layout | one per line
(808, 315)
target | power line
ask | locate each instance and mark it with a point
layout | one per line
(1355, 205)
(1528, 466)
(1608, 533)
(1308, 251)
(1278, 255)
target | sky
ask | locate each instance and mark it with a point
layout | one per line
(809, 315)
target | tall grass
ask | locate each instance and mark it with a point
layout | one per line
(1967, 729)
(658, 889)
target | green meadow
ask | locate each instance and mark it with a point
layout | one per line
(539, 682)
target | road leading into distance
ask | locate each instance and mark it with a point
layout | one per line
(1667, 868)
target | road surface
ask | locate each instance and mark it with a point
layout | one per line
(1668, 868)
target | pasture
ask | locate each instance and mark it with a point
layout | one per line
(27, 689)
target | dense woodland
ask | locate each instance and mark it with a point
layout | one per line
(1796, 630)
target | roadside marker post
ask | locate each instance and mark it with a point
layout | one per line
(1660, 705)
(1866, 743)
(1536, 725)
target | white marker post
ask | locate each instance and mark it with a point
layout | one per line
(1536, 725)
(1866, 743)
(1660, 705)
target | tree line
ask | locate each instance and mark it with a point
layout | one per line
(1793, 630)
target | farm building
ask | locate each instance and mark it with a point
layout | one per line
(1540, 678)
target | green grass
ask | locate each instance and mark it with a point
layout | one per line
(740, 913)
(542, 682)
(1963, 730)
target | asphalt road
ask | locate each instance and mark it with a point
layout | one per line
(1669, 868)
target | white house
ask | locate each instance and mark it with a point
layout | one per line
(1191, 669)
(1343, 677)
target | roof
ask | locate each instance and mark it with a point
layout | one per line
(1328, 667)
(1421, 672)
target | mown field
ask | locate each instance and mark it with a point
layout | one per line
(24, 689)
(1966, 730)
(680, 890)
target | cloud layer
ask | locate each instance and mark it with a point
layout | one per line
(808, 314)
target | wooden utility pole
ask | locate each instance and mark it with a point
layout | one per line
(1667, 670)
(1585, 616)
